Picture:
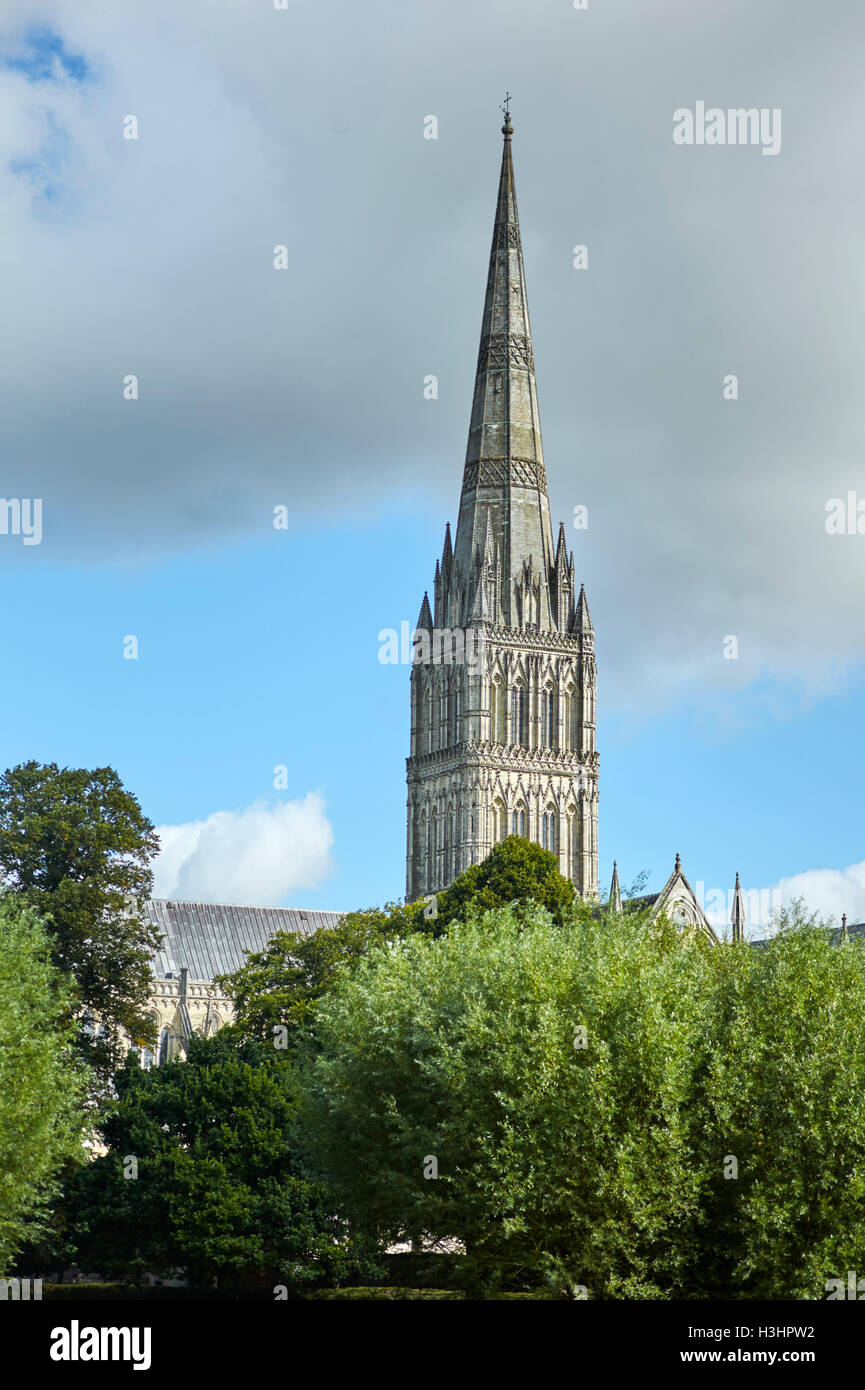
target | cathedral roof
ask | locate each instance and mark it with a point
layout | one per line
(210, 939)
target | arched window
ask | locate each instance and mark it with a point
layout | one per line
(570, 722)
(518, 821)
(497, 712)
(549, 836)
(422, 851)
(573, 845)
(548, 718)
(428, 705)
(518, 716)
(500, 822)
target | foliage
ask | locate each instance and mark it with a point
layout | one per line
(604, 1165)
(572, 1163)
(76, 845)
(782, 1090)
(41, 1078)
(219, 1189)
(515, 870)
(283, 983)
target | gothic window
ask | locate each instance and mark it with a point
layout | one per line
(519, 713)
(573, 847)
(449, 846)
(549, 835)
(443, 718)
(500, 822)
(428, 702)
(548, 718)
(422, 850)
(146, 1055)
(496, 708)
(570, 730)
(518, 821)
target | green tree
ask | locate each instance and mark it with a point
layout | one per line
(76, 845)
(781, 1091)
(42, 1080)
(515, 870)
(216, 1187)
(282, 984)
(546, 1069)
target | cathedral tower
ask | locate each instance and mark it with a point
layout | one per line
(503, 683)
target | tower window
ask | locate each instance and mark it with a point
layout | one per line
(518, 709)
(548, 717)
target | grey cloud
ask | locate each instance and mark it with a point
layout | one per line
(257, 386)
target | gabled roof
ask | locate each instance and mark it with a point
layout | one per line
(210, 939)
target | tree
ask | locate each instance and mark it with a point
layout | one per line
(515, 870)
(610, 1103)
(779, 1115)
(521, 1086)
(76, 845)
(282, 984)
(202, 1174)
(42, 1081)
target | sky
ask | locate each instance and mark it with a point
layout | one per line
(165, 388)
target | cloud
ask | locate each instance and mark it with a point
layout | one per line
(261, 127)
(831, 892)
(257, 856)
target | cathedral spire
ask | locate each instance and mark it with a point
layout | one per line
(504, 478)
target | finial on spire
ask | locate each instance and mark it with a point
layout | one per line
(678, 864)
(507, 128)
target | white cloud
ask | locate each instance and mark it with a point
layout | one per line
(831, 892)
(255, 856)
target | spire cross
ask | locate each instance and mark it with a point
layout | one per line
(507, 128)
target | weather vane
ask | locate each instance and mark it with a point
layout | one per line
(507, 106)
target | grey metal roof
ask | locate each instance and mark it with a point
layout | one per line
(210, 938)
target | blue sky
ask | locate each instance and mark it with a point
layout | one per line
(235, 676)
(257, 647)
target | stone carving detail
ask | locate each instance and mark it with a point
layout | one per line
(493, 472)
(507, 234)
(503, 349)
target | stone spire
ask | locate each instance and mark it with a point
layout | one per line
(738, 914)
(504, 488)
(615, 891)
